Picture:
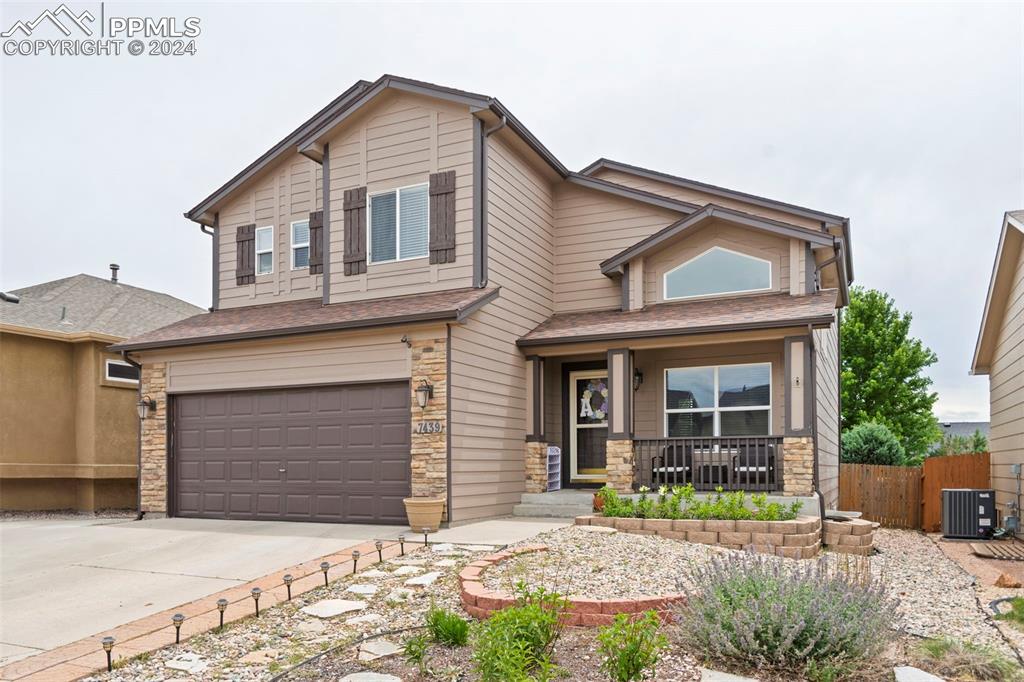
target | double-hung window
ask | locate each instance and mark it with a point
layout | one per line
(399, 224)
(728, 400)
(300, 244)
(264, 250)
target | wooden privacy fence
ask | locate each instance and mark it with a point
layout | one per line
(951, 471)
(886, 494)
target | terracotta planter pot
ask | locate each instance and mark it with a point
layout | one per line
(424, 512)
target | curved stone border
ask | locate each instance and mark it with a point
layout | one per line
(796, 539)
(480, 602)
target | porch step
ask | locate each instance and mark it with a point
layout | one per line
(560, 504)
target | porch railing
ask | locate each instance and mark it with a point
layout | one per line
(751, 463)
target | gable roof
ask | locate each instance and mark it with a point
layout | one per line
(725, 192)
(83, 304)
(1008, 252)
(708, 212)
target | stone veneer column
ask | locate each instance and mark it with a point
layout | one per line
(619, 459)
(536, 467)
(798, 465)
(153, 474)
(430, 450)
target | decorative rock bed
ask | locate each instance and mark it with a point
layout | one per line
(480, 602)
(796, 539)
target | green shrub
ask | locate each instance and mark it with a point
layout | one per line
(415, 652)
(954, 659)
(681, 502)
(447, 627)
(872, 443)
(515, 643)
(1016, 613)
(630, 648)
(758, 610)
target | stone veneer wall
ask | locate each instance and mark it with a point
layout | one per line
(153, 474)
(796, 539)
(536, 460)
(798, 466)
(430, 450)
(619, 459)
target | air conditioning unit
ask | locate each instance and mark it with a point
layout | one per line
(968, 513)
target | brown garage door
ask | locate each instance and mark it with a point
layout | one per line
(331, 453)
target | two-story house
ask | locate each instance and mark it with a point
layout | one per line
(411, 294)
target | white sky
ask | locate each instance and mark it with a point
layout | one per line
(907, 118)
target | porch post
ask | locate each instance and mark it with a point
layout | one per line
(619, 452)
(798, 441)
(536, 454)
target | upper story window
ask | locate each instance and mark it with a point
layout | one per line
(398, 224)
(300, 244)
(718, 271)
(264, 250)
(729, 400)
(115, 370)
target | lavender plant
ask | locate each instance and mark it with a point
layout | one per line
(758, 610)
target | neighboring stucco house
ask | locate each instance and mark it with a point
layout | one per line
(414, 242)
(68, 419)
(999, 353)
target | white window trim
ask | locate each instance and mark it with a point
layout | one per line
(106, 372)
(716, 410)
(398, 225)
(299, 245)
(664, 278)
(258, 252)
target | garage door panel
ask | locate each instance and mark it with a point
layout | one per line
(344, 451)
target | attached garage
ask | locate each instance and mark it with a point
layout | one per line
(328, 453)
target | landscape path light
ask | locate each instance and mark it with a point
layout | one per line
(355, 560)
(380, 551)
(108, 645)
(177, 619)
(288, 583)
(324, 566)
(222, 604)
(256, 592)
(426, 531)
(401, 545)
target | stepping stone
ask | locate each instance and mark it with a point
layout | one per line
(188, 663)
(443, 547)
(707, 675)
(401, 594)
(408, 570)
(477, 548)
(906, 673)
(329, 608)
(408, 562)
(370, 677)
(374, 574)
(368, 618)
(446, 563)
(310, 626)
(259, 657)
(377, 648)
(424, 580)
(362, 589)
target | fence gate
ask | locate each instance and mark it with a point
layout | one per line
(951, 471)
(886, 494)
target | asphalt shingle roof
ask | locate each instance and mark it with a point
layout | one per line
(84, 303)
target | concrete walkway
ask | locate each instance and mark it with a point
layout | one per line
(62, 580)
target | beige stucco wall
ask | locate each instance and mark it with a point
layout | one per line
(1006, 392)
(67, 437)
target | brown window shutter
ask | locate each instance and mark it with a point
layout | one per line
(245, 254)
(355, 231)
(442, 217)
(316, 242)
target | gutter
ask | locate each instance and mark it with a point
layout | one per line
(138, 451)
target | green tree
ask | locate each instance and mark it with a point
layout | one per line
(883, 377)
(872, 443)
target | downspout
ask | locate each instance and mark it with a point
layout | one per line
(814, 428)
(138, 452)
(480, 202)
(215, 276)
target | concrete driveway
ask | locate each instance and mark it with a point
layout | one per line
(64, 579)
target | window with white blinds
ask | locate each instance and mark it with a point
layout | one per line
(399, 224)
(300, 244)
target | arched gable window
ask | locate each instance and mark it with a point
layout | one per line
(718, 271)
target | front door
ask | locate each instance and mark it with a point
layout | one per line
(588, 426)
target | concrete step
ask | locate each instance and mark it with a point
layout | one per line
(579, 497)
(551, 511)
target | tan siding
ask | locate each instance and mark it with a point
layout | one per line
(488, 421)
(590, 226)
(771, 248)
(287, 192)
(826, 344)
(400, 140)
(701, 198)
(1006, 388)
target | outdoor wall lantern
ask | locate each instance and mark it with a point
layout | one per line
(108, 644)
(145, 404)
(638, 378)
(424, 392)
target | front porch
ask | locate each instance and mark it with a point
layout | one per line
(731, 410)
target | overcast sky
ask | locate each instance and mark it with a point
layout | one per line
(907, 118)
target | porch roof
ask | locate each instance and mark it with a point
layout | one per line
(766, 311)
